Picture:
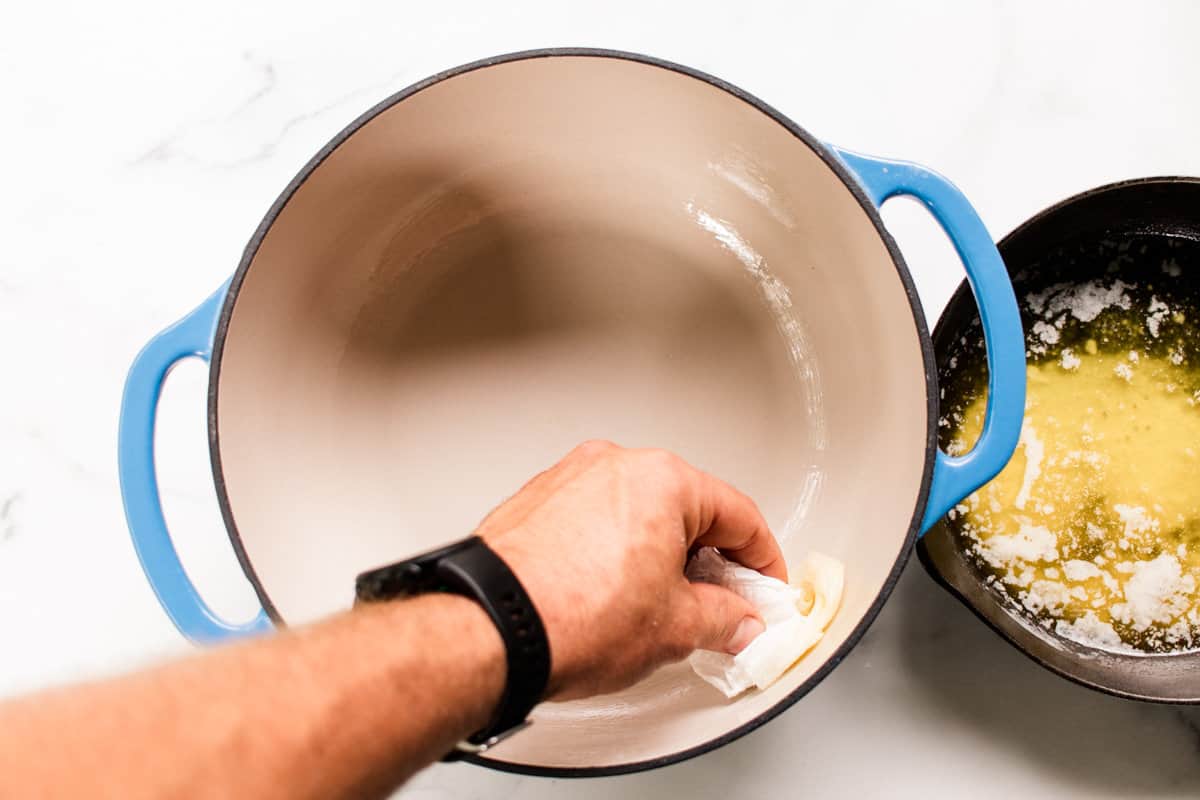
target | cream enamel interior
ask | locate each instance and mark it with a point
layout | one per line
(542, 251)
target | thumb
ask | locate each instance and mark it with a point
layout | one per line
(722, 621)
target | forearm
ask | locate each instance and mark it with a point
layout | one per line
(351, 707)
(347, 708)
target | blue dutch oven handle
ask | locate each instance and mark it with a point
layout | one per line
(955, 477)
(189, 337)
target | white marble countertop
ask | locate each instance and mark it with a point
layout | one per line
(144, 141)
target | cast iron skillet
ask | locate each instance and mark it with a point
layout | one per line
(1097, 234)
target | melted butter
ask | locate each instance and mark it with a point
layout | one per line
(1094, 525)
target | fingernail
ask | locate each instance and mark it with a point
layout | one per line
(747, 630)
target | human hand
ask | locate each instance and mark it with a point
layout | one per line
(600, 540)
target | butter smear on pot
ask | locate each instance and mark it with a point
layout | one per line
(1094, 526)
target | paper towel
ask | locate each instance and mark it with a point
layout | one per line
(796, 616)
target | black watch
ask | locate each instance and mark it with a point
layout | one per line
(472, 569)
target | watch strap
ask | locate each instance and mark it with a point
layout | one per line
(478, 572)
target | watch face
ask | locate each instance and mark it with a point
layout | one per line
(416, 575)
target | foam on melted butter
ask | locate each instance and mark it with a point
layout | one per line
(1094, 526)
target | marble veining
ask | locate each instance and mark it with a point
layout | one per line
(186, 143)
(147, 141)
(268, 78)
(8, 516)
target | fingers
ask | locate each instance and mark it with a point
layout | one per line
(731, 522)
(717, 619)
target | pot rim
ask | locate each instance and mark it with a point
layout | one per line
(930, 563)
(852, 185)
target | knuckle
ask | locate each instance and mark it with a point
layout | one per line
(685, 636)
(667, 467)
(594, 448)
(680, 649)
(688, 628)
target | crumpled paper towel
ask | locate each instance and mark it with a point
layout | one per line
(796, 616)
